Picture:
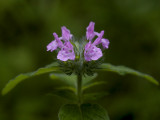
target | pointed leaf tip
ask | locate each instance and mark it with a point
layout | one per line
(122, 70)
(12, 83)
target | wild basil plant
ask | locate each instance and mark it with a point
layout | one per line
(77, 64)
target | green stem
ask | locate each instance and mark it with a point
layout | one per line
(79, 88)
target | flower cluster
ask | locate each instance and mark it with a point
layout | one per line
(66, 52)
(91, 51)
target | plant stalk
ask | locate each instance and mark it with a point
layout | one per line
(79, 88)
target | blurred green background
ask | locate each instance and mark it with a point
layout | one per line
(133, 28)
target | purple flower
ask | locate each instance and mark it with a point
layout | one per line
(66, 52)
(55, 43)
(91, 51)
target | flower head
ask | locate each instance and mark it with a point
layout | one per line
(79, 56)
(91, 51)
(66, 52)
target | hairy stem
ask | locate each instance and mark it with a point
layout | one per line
(79, 88)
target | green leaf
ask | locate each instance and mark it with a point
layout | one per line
(83, 112)
(71, 79)
(88, 79)
(93, 84)
(70, 112)
(93, 92)
(94, 96)
(12, 83)
(125, 70)
(65, 92)
(67, 88)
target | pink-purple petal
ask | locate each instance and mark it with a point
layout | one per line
(92, 53)
(90, 31)
(66, 36)
(62, 55)
(105, 43)
(98, 40)
(52, 46)
(97, 53)
(65, 55)
(60, 43)
(88, 45)
(68, 45)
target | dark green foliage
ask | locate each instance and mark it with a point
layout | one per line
(68, 89)
(12, 83)
(71, 79)
(70, 112)
(66, 93)
(94, 96)
(83, 112)
(77, 67)
(122, 70)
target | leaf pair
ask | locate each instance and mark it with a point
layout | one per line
(54, 68)
(70, 86)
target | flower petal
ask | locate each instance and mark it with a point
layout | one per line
(60, 44)
(62, 55)
(98, 40)
(68, 45)
(87, 46)
(66, 36)
(92, 53)
(105, 43)
(90, 31)
(52, 46)
(65, 55)
(97, 53)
